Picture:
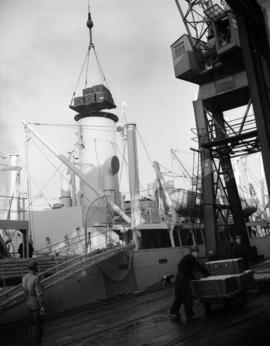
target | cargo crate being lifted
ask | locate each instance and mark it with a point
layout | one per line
(96, 98)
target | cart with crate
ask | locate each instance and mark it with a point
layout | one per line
(227, 283)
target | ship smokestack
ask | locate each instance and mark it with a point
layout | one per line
(134, 186)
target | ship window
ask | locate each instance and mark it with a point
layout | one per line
(155, 238)
(186, 237)
(179, 49)
(162, 261)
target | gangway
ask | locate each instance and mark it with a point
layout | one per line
(63, 271)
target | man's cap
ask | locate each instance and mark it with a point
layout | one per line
(194, 248)
(238, 237)
(33, 265)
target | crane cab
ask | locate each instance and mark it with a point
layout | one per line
(216, 54)
(185, 60)
(225, 31)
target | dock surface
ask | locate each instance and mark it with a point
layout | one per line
(143, 319)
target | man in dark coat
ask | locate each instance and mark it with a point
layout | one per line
(183, 282)
(22, 249)
(33, 294)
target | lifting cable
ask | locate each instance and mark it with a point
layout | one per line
(79, 78)
(91, 45)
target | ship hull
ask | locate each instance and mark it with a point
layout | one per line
(122, 274)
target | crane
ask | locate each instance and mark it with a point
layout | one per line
(211, 45)
(209, 55)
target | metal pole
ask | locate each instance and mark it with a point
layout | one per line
(134, 187)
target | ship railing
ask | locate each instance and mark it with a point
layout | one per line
(75, 245)
(49, 257)
(67, 248)
(11, 270)
(232, 127)
(64, 270)
(151, 216)
(58, 252)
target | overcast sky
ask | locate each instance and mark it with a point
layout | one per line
(42, 47)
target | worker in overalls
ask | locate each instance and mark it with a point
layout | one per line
(183, 284)
(33, 294)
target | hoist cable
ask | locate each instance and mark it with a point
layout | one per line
(87, 65)
(102, 75)
(80, 75)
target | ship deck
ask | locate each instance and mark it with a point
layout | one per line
(143, 319)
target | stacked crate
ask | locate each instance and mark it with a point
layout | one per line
(214, 286)
(96, 98)
(226, 277)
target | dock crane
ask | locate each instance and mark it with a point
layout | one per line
(211, 55)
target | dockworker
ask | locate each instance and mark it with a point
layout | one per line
(183, 282)
(33, 294)
(241, 250)
(22, 249)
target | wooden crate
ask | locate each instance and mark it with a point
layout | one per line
(215, 286)
(100, 88)
(225, 267)
(78, 101)
(245, 281)
(88, 91)
(90, 98)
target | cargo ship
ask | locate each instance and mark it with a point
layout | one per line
(94, 245)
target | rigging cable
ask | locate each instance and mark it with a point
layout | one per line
(122, 161)
(171, 172)
(71, 125)
(45, 185)
(57, 169)
(147, 153)
(29, 179)
(36, 184)
(28, 182)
